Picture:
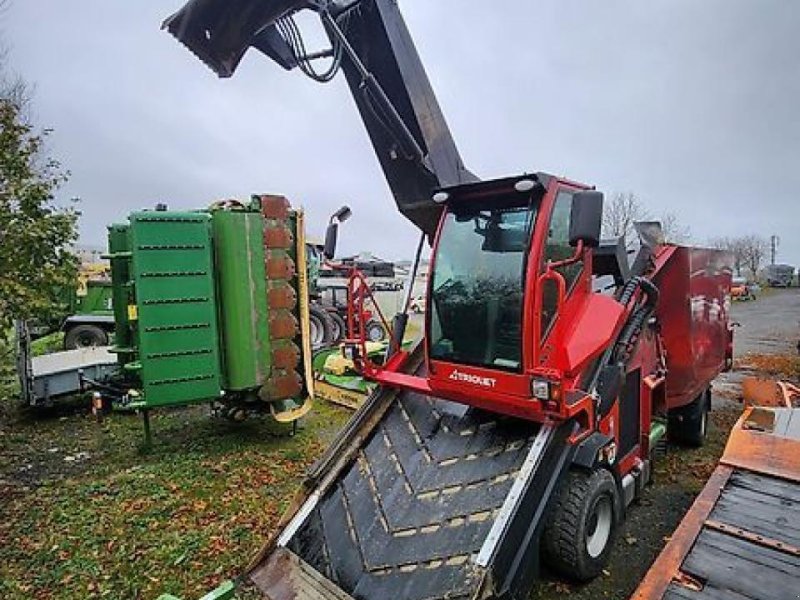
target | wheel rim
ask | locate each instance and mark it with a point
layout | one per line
(336, 330)
(87, 340)
(316, 332)
(375, 333)
(598, 529)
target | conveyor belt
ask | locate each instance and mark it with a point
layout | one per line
(440, 501)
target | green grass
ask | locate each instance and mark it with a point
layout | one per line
(84, 513)
(53, 342)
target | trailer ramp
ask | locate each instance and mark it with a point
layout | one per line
(741, 538)
(431, 500)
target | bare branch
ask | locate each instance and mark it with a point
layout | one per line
(675, 232)
(621, 213)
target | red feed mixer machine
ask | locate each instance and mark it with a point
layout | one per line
(524, 422)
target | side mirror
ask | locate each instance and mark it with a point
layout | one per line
(586, 218)
(330, 240)
(340, 216)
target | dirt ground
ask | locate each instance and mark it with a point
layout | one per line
(767, 327)
(85, 514)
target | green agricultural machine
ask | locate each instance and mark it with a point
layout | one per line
(215, 305)
(212, 306)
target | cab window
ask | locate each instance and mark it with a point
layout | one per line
(557, 248)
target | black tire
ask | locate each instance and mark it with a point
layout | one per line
(338, 328)
(688, 425)
(375, 331)
(84, 336)
(319, 327)
(582, 525)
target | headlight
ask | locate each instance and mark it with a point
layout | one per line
(540, 388)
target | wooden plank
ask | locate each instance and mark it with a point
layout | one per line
(668, 564)
(731, 563)
(755, 446)
(284, 576)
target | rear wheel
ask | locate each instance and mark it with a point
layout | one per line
(338, 328)
(688, 425)
(320, 327)
(375, 331)
(85, 336)
(582, 525)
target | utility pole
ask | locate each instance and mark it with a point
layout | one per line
(774, 240)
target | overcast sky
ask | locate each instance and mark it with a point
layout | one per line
(693, 105)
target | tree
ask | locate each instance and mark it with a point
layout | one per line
(675, 232)
(754, 249)
(36, 234)
(621, 213)
(748, 252)
(735, 246)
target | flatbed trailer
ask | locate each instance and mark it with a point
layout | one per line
(740, 539)
(50, 377)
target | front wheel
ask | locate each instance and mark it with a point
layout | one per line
(375, 331)
(582, 525)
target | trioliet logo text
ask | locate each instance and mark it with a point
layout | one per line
(457, 375)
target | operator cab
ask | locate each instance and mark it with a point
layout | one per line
(510, 256)
(477, 284)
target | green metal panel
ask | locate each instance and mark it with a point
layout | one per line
(239, 255)
(119, 256)
(176, 313)
(97, 300)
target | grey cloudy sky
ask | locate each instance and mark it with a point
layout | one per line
(692, 104)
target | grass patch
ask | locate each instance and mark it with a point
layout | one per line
(777, 365)
(91, 516)
(53, 342)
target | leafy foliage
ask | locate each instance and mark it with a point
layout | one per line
(35, 234)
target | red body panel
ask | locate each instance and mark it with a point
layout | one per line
(693, 313)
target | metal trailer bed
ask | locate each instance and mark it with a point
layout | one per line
(44, 379)
(740, 539)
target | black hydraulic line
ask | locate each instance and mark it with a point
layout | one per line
(638, 318)
(617, 353)
(368, 82)
(400, 320)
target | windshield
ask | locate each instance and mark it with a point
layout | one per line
(477, 287)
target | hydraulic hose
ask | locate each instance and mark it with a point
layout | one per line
(619, 352)
(638, 318)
